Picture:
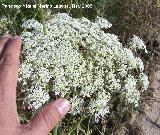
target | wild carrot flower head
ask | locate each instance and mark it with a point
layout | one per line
(78, 60)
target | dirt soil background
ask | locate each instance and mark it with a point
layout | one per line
(150, 120)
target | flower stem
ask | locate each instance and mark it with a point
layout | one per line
(42, 18)
(56, 129)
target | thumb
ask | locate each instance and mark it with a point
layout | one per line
(47, 118)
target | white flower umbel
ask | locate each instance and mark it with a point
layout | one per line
(32, 24)
(99, 106)
(37, 96)
(76, 57)
(4, 24)
(103, 23)
(144, 80)
(130, 91)
(77, 105)
(136, 42)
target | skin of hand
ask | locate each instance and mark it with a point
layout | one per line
(45, 120)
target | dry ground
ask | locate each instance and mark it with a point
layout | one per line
(150, 121)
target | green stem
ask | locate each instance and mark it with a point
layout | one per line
(77, 125)
(56, 129)
(42, 18)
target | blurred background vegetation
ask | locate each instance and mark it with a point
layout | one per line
(139, 17)
(127, 16)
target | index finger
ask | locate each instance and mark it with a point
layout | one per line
(9, 67)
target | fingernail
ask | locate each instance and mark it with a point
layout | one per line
(16, 37)
(63, 106)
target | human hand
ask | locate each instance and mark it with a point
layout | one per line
(46, 118)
